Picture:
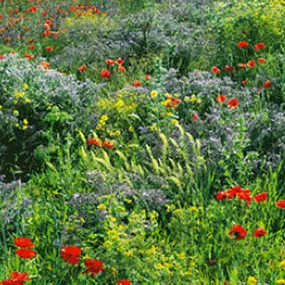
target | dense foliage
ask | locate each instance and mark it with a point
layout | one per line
(142, 142)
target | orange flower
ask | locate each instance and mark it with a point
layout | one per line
(122, 68)
(195, 117)
(31, 47)
(260, 46)
(251, 63)
(261, 60)
(244, 82)
(82, 67)
(45, 65)
(105, 73)
(233, 103)
(267, 84)
(108, 144)
(109, 61)
(280, 204)
(136, 83)
(242, 44)
(95, 141)
(215, 70)
(242, 65)
(221, 98)
(147, 77)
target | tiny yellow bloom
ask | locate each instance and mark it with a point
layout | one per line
(15, 113)
(17, 125)
(25, 122)
(117, 133)
(27, 100)
(186, 99)
(251, 280)
(153, 94)
(176, 95)
(131, 129)
(24, 127)
(101, 122)
(169, 114)
(194, 209)
(15, 102)
(174, 122)
(198, 101)
(1, 107)
(104, 118)
(282, 264)
(26, 86)
(280, 281)
(193, 98)
(153, 127)
(19, 94)
(167, 95)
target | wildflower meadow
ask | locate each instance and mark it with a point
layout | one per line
(142, 142)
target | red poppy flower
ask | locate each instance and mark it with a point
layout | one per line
(172, 102)
(23, 242)
(242, 44)
(119, 61)
(216, 70)
(244, 82)
(2, 31)
(261, 197)
(229, 68)
(259, 46)
(238, 232)
(70, 254)
(31, 47)
(242, 65)
(82, 67)
(109, 61)
(2, 56)
(95, 141)
(49, 48)
(122, 68)
(251, 63)
(233, 103)
(124, 282)
(261, 60)
(93, 266)
(259, 233)
(267, 84)
(147, 77)
(26, 253)
(108, 144)
(136, 83)
(195, 117)
(29, 56)
(221, 98)
(221, 195)
(244, 195)
(17, 278)
(45, 14)
(105, 73)
(281, 204)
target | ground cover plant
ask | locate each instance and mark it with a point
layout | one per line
(142, 142)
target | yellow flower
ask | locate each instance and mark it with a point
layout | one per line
(167, 95)
(193, 98)
(26, 86)
(153, 127)
(169, 114)
(280, 281)
(17, 125)
(186, 99)
(251, 280)
(15, 113)
(181, 255)
(194, 209)
(19, 94)
(282, 264)
(198, 101)
(120, 103)
(176, 95)
(131, 129)
(1, 107)
(26, 122)
(117, 133)
(27, 100)
(153, 94)
(104, 118)
(174, 122)
(155, 110)
(24, 127)
(15, 102)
